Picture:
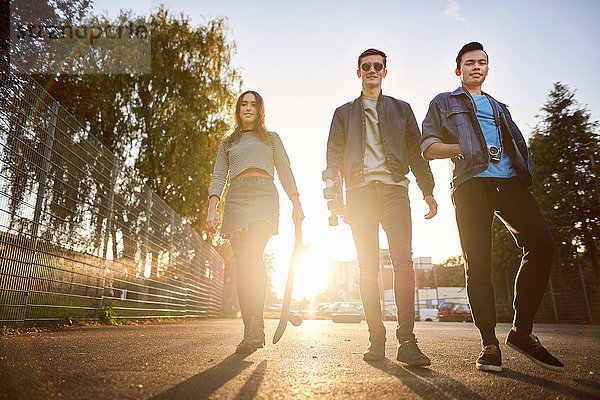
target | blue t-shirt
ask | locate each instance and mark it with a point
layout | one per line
(485, 116)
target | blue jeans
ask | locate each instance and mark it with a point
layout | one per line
(388, 205)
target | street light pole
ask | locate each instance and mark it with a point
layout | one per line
(590, 145)
(437, 298)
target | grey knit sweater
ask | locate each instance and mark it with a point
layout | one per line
(251, 152)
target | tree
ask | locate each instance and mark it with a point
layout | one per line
(449, 273)
(564, 148)
(182, 109)
(167, 123)
(271, 295)
(37, 13)
(506, 257)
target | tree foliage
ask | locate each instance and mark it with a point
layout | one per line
(182, 110)
(564, 146)
(449, 273)
(506, 258)
(167, 123)
(38, 12)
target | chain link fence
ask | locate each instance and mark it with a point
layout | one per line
(81, 238)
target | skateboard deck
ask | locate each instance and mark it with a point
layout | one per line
(286, 314)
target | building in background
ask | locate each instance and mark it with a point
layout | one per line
(422, 263)
(343, 280)
(343, 283)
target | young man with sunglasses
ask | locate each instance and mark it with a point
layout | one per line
(374, 142)
(490, 175)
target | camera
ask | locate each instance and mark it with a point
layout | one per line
(495, 154)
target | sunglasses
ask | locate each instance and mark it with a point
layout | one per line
(367, 66)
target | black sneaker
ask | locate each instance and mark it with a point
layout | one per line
(375, 351)
(245, 347)
(409, 353)
(490, 359)
(530, 347)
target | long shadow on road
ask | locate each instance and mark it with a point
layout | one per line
(430, 384)
(250, 388)
(427, 383)
(202, 385)
(593, 385)
(555, 387)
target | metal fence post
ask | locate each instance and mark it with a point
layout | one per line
(144, 295)
(147, 230)
(41, 193)
(553, 299)
(172, 227)
(585, 296)
(169, 273)
(187, 267)
(111, 198)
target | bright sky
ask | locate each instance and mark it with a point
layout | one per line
(301, 57)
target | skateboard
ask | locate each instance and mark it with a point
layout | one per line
(334, 193)
(286, 314)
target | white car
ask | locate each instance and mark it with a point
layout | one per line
(427, 314)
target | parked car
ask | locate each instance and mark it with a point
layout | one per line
(273, 308)
(322, 309)
(427, 315)
(327, 309)
(454, 312)
(349, 312)
(389, 313)
(316, 312)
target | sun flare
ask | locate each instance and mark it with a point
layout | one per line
(310, 278)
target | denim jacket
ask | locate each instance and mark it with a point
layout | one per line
(400, 136)
(452, 119)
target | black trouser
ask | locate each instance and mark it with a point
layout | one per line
(368, 206)
(476, 201)
(251, 274)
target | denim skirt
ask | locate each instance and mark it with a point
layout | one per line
(250, 199)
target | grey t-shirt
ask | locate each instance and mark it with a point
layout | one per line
(376, 167)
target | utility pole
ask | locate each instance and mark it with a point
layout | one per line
(437, 297)
(591, 145)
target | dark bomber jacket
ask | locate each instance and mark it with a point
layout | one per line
(452, 119)
(400, 136)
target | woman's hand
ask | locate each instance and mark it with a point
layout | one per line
(212, 219)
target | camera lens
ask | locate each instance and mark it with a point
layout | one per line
(495, 153)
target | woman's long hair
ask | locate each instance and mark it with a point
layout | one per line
(259, 128)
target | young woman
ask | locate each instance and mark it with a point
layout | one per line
(249, 156)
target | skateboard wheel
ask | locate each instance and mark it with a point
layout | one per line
(295, 319)
(329, 193)
(332, 205)
(333, 220)
(327, 174)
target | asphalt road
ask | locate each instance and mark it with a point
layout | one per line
(318, 360)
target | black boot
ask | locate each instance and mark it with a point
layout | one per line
(254, 337)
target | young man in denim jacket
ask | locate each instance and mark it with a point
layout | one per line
(491, 171)
(374, 142)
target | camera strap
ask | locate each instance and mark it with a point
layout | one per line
(496, 117)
